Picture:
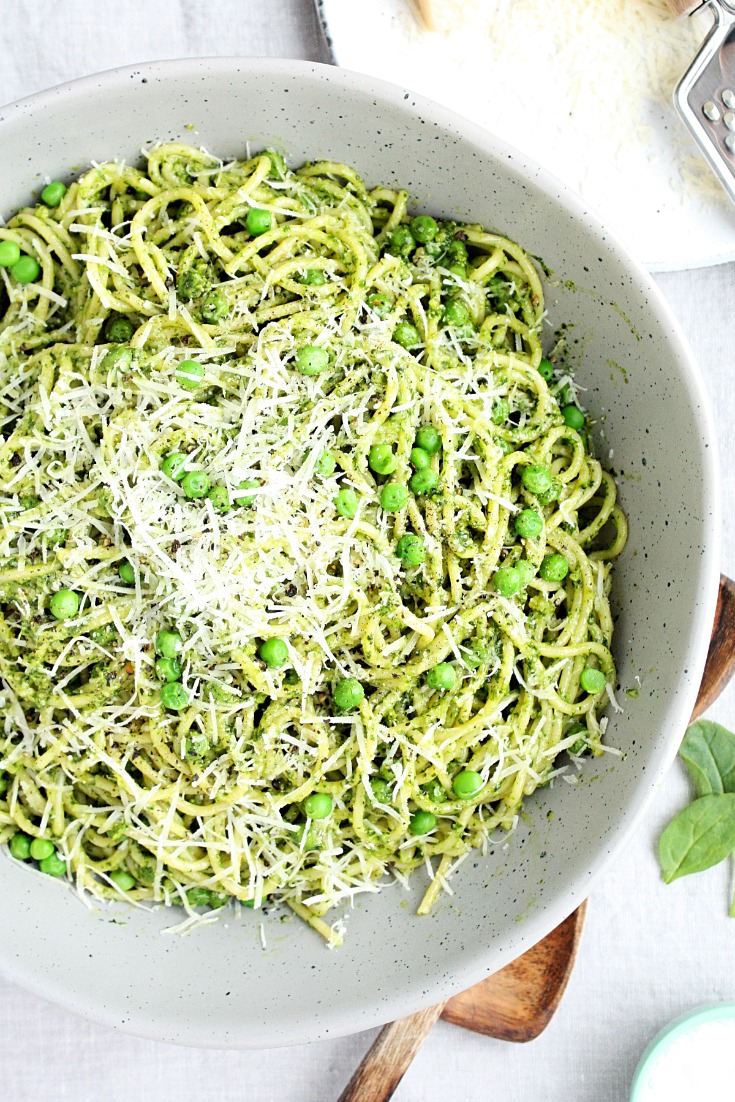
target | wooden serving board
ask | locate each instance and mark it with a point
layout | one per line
(518, 1002)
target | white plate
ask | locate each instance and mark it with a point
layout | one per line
(624, 151)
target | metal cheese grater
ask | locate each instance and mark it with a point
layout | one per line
(705, 96)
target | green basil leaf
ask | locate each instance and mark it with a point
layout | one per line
(700, 836)
(708, 751)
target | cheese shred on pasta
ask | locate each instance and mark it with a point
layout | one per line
(285, 338)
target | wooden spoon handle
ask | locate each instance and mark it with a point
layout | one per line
(389, 1057)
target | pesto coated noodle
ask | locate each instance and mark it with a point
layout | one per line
(304, 573)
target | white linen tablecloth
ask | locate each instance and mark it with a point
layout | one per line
(649, 952)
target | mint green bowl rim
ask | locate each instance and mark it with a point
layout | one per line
(670, 1033)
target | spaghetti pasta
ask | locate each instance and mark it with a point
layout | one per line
(305, 557)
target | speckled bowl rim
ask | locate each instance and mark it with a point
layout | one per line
(537, 925)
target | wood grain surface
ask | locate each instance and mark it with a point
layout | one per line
(518, 1002)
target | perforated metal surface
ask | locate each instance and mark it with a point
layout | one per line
(705, 96)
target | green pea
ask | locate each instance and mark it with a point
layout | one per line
(406, 335)
(119, 359)
(53, 193)
(381, 790)
(500, 411)
(218, 899)
(325, 465)
(545, 497)
(381, 459)
(198, 897)
(20, 846)
(258, 221)
(380, 303)
(189, 374)
(318, 805)
(507, 581)
(457, 251)
(274, 652)
(526, 570)
(313, 277)
(64, 604)
(435, 249)
(424, 481)
(424, 228)
(348, 694)
(573, 417)
(40, 848)
(195, 484)
(245, 500)
(346, 503)
(536, 479)
(174, 696)
(173, 466)
(402, 242)
(393, 497)
(26, 270)
(126, 570)
(9, 254)
(420, 459)
(529, 524)
(214, 308)
(546, 370)
(220, 498)
(169, 644)
(456, 313)
(196, 745)
(411, 550)
(458, 269)
(311, 360)
(467, 784)
(168, 669)
(122, 880)
(53, 865)
(428, 439)
(592, 680)
(554, 568)
(442, 677)
(580, 745)
(119, 330)
(422, 822)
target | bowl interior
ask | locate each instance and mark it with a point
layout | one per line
(264, 981)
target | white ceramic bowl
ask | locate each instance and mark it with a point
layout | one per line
(218, 986)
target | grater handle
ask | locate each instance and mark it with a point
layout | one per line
(684, 7)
